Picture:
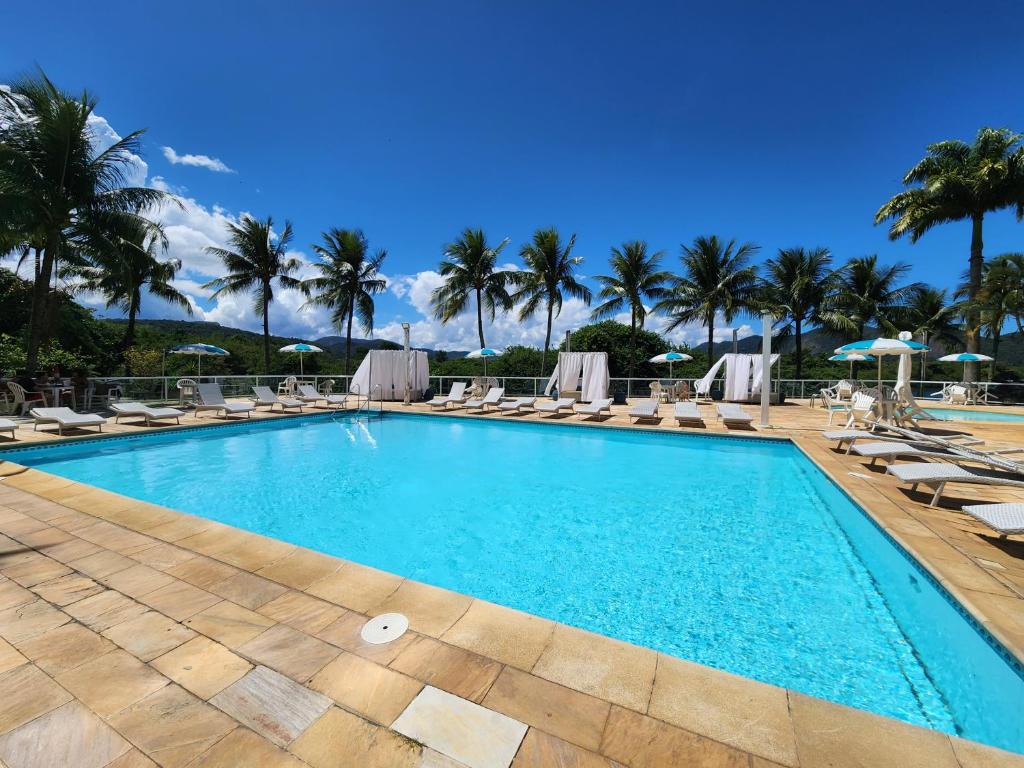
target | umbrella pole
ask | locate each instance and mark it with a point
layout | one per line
(302, 370)
(879, 370)
(200, 367)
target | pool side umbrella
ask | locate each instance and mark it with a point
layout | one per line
(852, 357)
(302, 347)
(670, 357)
(200, 350)
(484, 353)
(882, 346)
(965, 358)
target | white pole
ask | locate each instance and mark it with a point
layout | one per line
(766, 366)
(408, 393)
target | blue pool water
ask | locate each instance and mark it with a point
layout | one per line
(963, 414)
(736, 553)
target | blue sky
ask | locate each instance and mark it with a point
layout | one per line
(784, 124)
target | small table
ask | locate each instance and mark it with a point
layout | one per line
(57, 393)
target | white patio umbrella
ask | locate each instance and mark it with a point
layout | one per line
(965, 358)
(484, 353)
(852, 357)
(199, 350)
(302, 347)
(670, 357)
(882, 346)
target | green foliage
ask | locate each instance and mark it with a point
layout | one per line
(143, 362)
(468, 272)
(12, 354)
(614, 338)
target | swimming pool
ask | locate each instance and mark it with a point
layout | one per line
(963, 414)
(736, 553)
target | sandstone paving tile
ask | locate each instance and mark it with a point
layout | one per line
(23, 525)
(28, 620)
(831, 734)
(181, 527)
(12, 595)
(301, 568)
(230, 624)
(149, 635)
(274, 706)
(162, 556)
(202, 572)
(301, 611)
(45, 538)
(541, 750)
(70, 735)
(111, 682)
(102, 563)
(73, 549)
(113, 537)
(643, 742)
(568, 714)
(430, 610)
(971, 754)
(509, 636)
(366, 688)
(30, 572)
(243, 747)
(172, 726)
(356, 587)
(340, 739)
(210, 540)
(474, 735)
(430, 758)
(132, 759)
(737, 711)
(608, 669)
(104, 610)
(10, 657)
(65, 590)
(202, 666)
(137, 581)
(248, 590)
(179, 600)
(444, 666)
(289, 651)
(64, 648)
(345, 633)
(26, 693)
(250, 551)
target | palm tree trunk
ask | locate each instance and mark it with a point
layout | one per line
(632, 340)
(973, 287)
(996, 334)
(348, 335)
(129, 331)
(711, 341)
(266, 334)
(40, 294)
(547, 342)
(799, 346)
(480, 319)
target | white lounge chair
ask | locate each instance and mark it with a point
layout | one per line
(518, 405)
(149, 414)
(1007, 519)
(266, 396)
(862, 409)
(594, 408)
(730, 413)
(456, 395)
(210, 398)
(556, 406)
(647, 409)
(309, 395)
(66, 418)
(493, 397)
(890, 450)
(686, 412)
(850, 436)
(6, 425)
(937, 474)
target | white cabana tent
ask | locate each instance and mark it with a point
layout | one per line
(583, 371)
(386, 368)
(743, 376)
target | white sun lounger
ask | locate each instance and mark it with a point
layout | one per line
(937, 474)
(493, 397)
(1007, 519)
(149, 414)
(66, 418)
(685, 411)
(555, 406)
(730, 413)
(648, 409)
(266, 396)
(210, 398)
(309, 395)
(850, 436)
(891, 450)
(594, 408)
(518, 405)
(456, 395)
(6, 425)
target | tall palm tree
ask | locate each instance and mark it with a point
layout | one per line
(796, 287)
(255, 259)
(869, 294)
(996, 303)
(957, 181)
(469, 270)
(717, 278)
(1013, 266)
(349, 279)
(931, 316)
(127, 261)
(635, 277)
(549, 274)
(54, 182)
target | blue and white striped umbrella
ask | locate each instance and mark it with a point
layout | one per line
(882, 346)
(484, 353)
(199, 350)
(670, 357)
(852, 357)
(965, 357)
(301, 348)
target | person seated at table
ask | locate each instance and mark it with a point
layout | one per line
(80, 382)
(41, 381)
(55, 377)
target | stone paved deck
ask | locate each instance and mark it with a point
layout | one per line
(132, 635)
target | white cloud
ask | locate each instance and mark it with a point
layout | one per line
(196, 161)
(104, 136)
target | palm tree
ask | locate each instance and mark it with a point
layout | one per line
(128, 261)
(468, 269)
(635, 277)
(1013, 266)
(348, 281)
(254, 261)
(717, 277)
(549, 273)
(54, 182)
(796, 287)
(933, 318)
(996, 303)
(957, 181)
(868, 294)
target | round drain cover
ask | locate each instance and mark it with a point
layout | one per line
(384, 628)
